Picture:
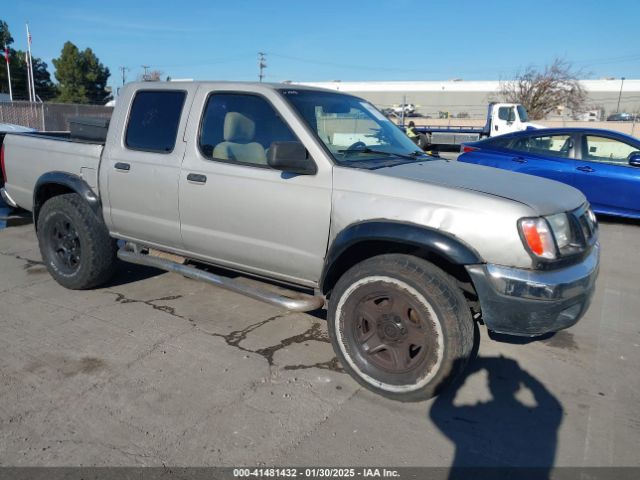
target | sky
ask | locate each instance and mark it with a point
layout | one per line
(348, 40)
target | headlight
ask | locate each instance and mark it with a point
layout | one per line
(559, 235)
(561, 230)
(537, 237)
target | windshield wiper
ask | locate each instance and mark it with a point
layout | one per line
(410, 156)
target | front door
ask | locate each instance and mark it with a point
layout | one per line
(237, 211)
(549, 156)
(604, 175)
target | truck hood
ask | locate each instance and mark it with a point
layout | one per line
(545, 196)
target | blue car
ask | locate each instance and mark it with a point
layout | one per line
(604, 165)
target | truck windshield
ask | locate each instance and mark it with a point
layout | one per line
(522, 112)
(353, 130)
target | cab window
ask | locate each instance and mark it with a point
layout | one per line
(606, 150)
(505, 113)
(154, 120)
(240, 128)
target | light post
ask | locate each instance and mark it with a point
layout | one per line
(620, 94)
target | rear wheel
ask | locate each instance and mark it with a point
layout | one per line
(400, 326)
(75, 243)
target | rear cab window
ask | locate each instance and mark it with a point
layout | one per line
(546, 145)
(154, 119)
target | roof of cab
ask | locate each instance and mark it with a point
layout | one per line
(227, 85)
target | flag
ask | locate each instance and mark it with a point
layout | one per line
(6, 54)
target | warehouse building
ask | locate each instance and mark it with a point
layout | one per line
(469, 99)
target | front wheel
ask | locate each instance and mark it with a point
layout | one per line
(400, 326)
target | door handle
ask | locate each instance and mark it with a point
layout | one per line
(519, 160)
(585, 169)
(125, 167)
(197, 178)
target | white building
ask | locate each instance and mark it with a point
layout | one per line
(472, 97)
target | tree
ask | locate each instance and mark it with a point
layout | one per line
(542, 91)
(5, 35)
(152, 76)
(96, 76)
(45, 89)
(81, 76)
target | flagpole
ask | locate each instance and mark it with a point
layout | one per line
(33, 85)
(6, 57)
(26, 61)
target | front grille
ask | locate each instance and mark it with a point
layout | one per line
(588, 226)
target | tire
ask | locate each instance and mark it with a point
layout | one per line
(75, 243)
(400, 326)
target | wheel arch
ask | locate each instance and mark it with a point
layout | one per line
(363, 240)
(52, 184)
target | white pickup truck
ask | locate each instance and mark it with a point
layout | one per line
(406, 251)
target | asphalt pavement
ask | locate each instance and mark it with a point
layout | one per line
(156, 369)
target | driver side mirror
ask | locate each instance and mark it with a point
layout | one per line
(291, 157)
(634, 159)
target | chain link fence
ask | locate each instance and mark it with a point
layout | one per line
(48, 116)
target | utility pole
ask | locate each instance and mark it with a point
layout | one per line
(620, 94)
(262, 64)
(124, 74)
(145, 77)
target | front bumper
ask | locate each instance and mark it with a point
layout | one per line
(532, 302)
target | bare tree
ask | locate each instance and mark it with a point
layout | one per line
(151, 76)
(543, 90)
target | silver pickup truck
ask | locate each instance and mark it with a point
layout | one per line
(319, 196)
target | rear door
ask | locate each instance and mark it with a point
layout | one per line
(549, 156)
(604, 175)
(143, 166)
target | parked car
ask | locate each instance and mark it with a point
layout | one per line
(621, 117)
(317, 190)
(603, 164)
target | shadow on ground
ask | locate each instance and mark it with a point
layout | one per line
(618, 220)
(129, 273)
(516, 427)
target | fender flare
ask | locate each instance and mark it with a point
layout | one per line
(436, 241)
(71, 181)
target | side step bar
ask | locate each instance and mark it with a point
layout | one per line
(294, 301)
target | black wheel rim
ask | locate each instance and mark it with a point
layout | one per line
(64, 244)
(393, 336)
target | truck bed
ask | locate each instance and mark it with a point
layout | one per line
(29, 156)
(449, 129)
